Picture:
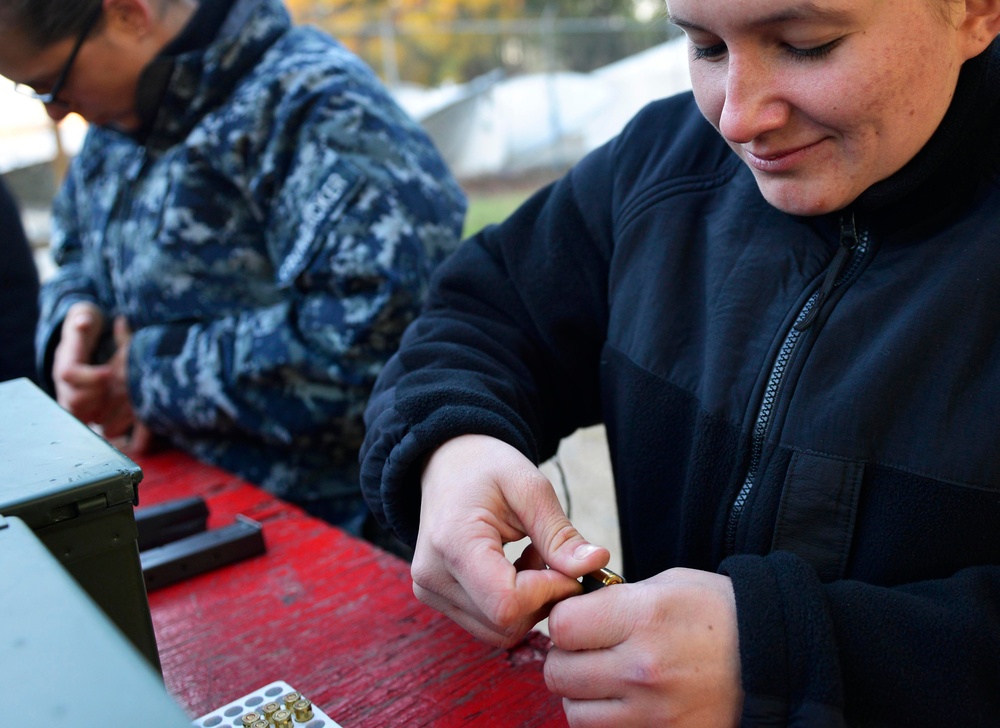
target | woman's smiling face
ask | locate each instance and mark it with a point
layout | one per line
(821, 99)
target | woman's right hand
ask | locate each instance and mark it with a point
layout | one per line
(479, 493)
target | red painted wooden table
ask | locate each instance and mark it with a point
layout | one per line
(331, 615)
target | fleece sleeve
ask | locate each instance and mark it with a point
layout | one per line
(846, 653)
(18, 293)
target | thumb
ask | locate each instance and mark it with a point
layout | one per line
(85, 323)
(122, 331)
(556, 539)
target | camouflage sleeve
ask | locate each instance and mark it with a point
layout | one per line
(352, 240)
(74, 281)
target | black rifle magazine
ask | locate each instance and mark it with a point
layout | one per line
(202, 552)
(166, 522)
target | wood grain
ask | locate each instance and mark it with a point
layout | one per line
(331, 615)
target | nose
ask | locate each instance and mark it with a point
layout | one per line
(754, 103)
(57, 110)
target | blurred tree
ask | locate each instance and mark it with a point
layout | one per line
(586, 46)
(582, 8)
(433, 41)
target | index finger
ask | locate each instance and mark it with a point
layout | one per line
(481, 581)
(81, 330)
(502, 619)
(594, 621)
(85, 375)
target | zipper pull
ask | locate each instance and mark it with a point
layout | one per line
(848, 242)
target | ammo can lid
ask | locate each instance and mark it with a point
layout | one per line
(52, 466)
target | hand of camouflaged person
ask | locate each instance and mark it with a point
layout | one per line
(94, 393)
(81, 386)
(660, 652)
(117, 416)
(479, 493)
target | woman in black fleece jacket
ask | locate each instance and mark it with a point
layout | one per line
(781, 294)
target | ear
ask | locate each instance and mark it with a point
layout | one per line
(134, 18)
(979, 26)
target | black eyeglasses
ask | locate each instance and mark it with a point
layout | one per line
(50, 97)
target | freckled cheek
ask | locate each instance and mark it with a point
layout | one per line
(893, 113)
(894, 91)
(874, 99)
(853, 104)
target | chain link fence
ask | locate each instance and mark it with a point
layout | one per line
(431, 53)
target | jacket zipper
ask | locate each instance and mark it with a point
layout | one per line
(838, 271)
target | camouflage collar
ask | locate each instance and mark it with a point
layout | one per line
(198, 70)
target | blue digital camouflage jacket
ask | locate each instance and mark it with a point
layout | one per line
(267, 243)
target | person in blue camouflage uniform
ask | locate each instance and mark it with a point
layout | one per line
(249, 227)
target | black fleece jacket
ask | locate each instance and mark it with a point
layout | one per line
(18, 293)
(828, 440)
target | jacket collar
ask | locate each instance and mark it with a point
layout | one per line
(198, 70)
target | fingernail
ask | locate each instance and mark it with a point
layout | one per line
(584, 550)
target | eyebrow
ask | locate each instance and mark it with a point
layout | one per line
(803, 11)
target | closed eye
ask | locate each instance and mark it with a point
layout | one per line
(813, 53)
(711, 52)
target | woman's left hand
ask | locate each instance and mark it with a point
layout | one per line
(661, 652)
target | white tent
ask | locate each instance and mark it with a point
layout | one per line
(635, 81)
(495, 125)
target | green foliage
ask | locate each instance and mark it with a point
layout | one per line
(487, 208)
